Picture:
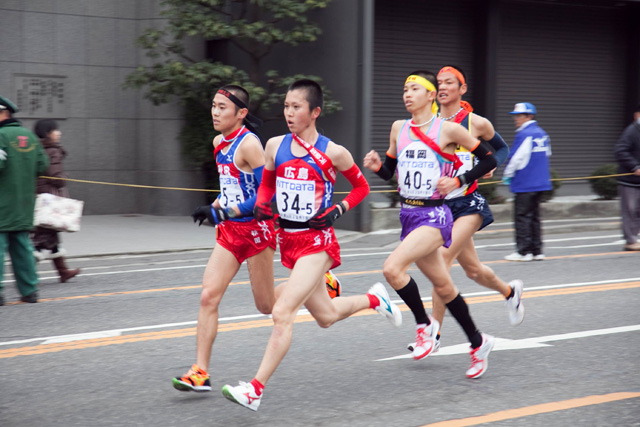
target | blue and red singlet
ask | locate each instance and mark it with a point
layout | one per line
(236, 185)
(301, 188)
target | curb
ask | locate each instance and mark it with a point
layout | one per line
(387, 218)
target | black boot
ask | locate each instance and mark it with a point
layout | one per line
(31, 298)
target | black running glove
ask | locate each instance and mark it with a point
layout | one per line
(214, 215)
(325, 218)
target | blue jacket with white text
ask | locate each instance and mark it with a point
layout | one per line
(528, 163)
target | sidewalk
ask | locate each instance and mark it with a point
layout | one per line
(130, 234)
(102, 235)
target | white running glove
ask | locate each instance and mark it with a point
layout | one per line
(3, 154)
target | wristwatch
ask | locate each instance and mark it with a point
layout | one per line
(231, 213)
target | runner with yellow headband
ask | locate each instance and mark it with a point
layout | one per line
(421, 155)
(469, 209)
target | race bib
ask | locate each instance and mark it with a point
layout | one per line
(295, 199)
(418, 172)
(230, 191)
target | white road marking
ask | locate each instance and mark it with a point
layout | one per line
(116, 332)
(569, 239)
(506, 344)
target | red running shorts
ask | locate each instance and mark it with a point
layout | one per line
(246, 239)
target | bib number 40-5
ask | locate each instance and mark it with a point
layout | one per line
(414, 180)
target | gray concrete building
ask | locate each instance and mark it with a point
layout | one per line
(578, 61)
(84, 49)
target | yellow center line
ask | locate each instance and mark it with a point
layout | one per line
(262, 323)
(537, 409)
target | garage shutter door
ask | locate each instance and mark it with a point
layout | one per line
(569, 61)
(413, 35)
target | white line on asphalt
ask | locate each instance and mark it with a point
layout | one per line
(548, 221)
(117, 332)
(343, 256)
(506, 344)
(584, 246)
(97, 334)
(569, 239)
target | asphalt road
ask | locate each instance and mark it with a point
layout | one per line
(102, 349)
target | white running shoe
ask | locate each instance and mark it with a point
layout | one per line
(386, 307)
(243, 394)
(517, 257)
(514, 304)
(538, 257)
(426, 340)
(411, 346)
(480, 357)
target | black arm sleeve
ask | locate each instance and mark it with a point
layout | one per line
(388, 168)
(486, 163)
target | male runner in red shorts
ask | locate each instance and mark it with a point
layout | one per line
(240, 159)
(301, 169)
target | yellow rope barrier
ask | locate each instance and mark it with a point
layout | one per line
(84, 181)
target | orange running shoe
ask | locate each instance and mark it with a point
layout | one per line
(194, 380)
(333, 284)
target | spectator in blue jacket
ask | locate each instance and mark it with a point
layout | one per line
(528, 175)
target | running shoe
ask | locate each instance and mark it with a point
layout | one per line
(426, 339)
(518, 257)
(514, 304)
(333, 284)
(194, 380)
(386, 308)
(539, 257)
(480, 357)
(412, 346)
(243, 394)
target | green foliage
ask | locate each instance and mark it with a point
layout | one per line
(253, 27)
(196, 139)
(555, 185)
(606, 188)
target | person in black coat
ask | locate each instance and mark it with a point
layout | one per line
(627, 152)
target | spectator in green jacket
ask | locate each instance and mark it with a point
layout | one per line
(22, 159)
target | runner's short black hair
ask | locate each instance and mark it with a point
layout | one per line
(314, 97)
(43, 128)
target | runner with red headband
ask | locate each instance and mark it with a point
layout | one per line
(240, 159)
(470, 210)
(421, 154)
(300, 170)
